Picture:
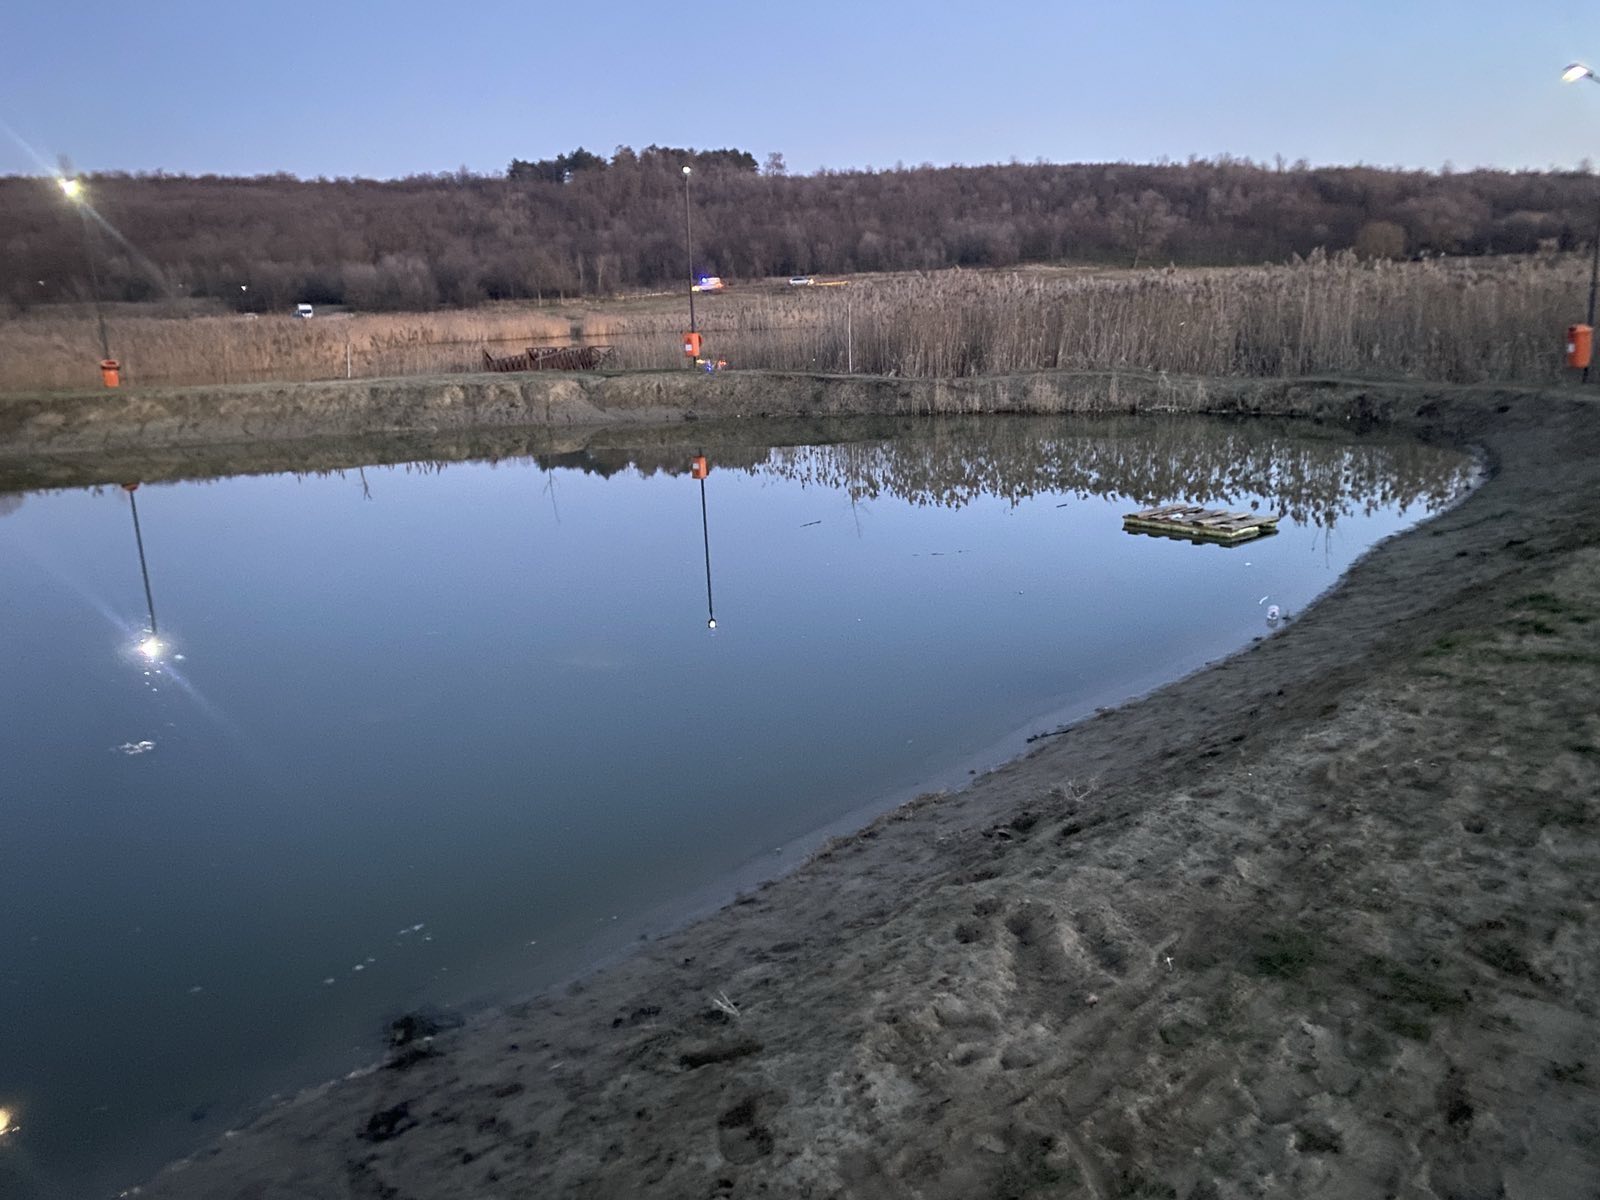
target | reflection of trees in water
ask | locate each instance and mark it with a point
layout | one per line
(1310, 475)
(10, 504)
(1312, 480)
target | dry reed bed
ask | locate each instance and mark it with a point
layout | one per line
(1462, 320)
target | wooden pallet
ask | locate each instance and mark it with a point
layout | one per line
(549, 358)
(1193, 522)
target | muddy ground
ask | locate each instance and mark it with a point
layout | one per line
(1319, 921)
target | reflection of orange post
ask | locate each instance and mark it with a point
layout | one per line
(691, 344)
(110, 372)
(1580, 345)
(699, 468)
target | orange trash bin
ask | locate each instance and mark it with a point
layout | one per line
(691, 345)
(699, 468)
(110, 372)
(1580, 345)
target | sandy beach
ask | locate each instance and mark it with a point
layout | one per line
(1317, 921)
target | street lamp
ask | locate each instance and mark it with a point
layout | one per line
(72, 189)
(1572, 74)
(691, 340)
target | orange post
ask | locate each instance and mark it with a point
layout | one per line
(699, 468)
(1580, 346)
(691, 345)
(110, 372)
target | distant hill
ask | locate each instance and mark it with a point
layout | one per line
(583, 224)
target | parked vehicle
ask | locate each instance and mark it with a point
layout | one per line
(710, 283)
(801, 281)
(303, 311)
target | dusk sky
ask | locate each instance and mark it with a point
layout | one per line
(406, 87)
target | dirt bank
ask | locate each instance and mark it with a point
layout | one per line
(1318, 921)
(46, 428)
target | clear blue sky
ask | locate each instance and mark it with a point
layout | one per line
(388, 89)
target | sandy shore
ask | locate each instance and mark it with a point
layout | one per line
(1320, 921)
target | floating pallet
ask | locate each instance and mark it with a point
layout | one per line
(1192, 522)
(549, 358)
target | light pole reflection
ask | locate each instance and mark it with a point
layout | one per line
(700, 468)
(150, 646)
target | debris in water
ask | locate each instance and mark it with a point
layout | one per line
(196, 990)
(328, 982)
(135, 747)
(1273, 613)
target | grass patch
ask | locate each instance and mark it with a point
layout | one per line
(1028, 1170)
(1285, 954)
(1551, 605)
(1503, 955)
(1534, 625)
(1406, 1000)
(1451, 642)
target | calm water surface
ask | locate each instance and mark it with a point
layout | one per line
(438, 734)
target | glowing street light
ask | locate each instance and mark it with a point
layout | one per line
(1576, 72)
(72, 189)
(6, 1120)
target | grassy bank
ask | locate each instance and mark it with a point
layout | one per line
(1462, 320)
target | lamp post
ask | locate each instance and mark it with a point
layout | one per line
(688, 244)
(72, 189)
(1573, 73)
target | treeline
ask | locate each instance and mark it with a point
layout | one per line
(582, 224)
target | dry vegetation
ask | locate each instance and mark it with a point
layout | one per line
(1460, 320)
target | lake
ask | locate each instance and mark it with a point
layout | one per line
(449, 730)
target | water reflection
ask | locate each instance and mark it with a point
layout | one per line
(1310, 480)
(150, 646)
(1313, 475)
(699, 468)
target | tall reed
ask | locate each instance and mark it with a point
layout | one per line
(1458, 320)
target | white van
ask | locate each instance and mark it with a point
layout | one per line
(303, 311)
